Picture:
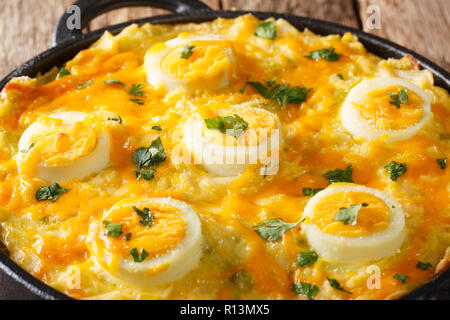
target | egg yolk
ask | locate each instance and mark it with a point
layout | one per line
(163, 234)
(260, 126)
(370, 219)
(207, 63)
(61, 143)
(379, 113)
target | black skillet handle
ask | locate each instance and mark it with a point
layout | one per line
(78, 15)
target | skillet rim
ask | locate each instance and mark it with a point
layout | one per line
(63, 52)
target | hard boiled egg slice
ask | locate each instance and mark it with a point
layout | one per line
(225, 155)
(190, 62)
(63, 146)
(367, 112)
(377, 232)
(172, 241)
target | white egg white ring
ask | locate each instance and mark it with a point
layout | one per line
(182, 259)
(227, 161)
(95, 161)
(359, 128)
(356, 249)
(158, 78)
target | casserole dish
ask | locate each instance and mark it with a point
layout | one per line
(69, 43)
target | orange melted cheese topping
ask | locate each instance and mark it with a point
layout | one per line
(50, 239)
(370, 219)
(381, 114)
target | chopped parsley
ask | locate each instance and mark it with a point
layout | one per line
(135, 254)
(444, 136)
(136, 90)
(85, 85)
(139, 102)
(306, 289)
(340, 76)
(62, 73)
(151, 156)
(266, 30)
(400, 98)
(115, 82)
(272, 230)
(113, 229)
(146, 174)
(51, 192)
(28, 148)
(232, 125)
(326, 54)
(423, 265)
(128, 236)
(395, 169)
(157, 128)
(336, 285)
(442, 163)
(310, 191)
(283, 94)
(146, 217)
(117, 119)
(186, 53)
(306, 259)
(400, 277)
(349, 215)
(340, 175)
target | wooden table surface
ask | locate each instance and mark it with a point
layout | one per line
(421, 25)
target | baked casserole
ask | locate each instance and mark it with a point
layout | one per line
(232, 159)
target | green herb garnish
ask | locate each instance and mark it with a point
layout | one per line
(51, 192)
(157, 128)
(340, 76)
(146, 174)
(232, 125)
(139, 102)
(310, 191)
(400, 98)
(135, 254)
(62, 73)
(117, 119)
(28, 148)
(336, 285)
(395, 169)
(340, 175)
(307, 289)
(326, 54)
(400, 277)
(136, 90)
(85, 85)
(113, 229)
(306, 259)
(423, 265)
(146, 217)
(349, 215)
(272, 230)
(266, 30)
(151, 156)
(281, 93)
(186, 53)
(442, 163)
(128, 236)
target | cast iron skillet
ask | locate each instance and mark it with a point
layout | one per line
(67, 43)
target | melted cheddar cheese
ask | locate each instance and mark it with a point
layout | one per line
(62, 242)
